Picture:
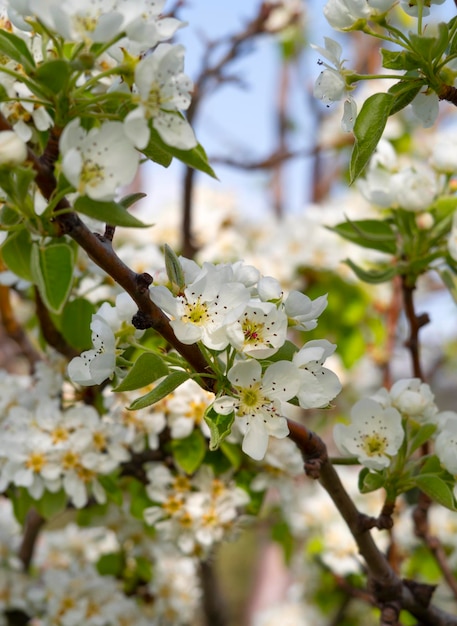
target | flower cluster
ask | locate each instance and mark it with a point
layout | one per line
(113, 51)
(382, 423)
(233, 310)
(193, 513)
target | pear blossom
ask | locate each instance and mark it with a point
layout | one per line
(426, 106)
(446, 443)
(96, 365)
(205, 307)
(257, 402)
(260, 331)
(414, 399)
(100, 161)
(343, 14)
(186, 408)
(163, 90)
(411, 6)
(414, 188)
(331, 84)
(319, 385)
(13, 150)
(302, 312)
(444, 153)
(374, 435)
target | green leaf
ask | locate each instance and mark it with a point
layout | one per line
(16, 49)
(436, 489)
(127, 201)
(54, 75)
(112, 213)
(111, 564)
(75, 323)
(174, 268)
(147, 368)
(189, 452)
(52, 271)
(372, 276)
(285, 352)
(232, 452)
(404, 93)
(22, 503)
(398, 60)
(368, 129)
(51, 504)
(139, 499)
(16, 253)
(169, 384)
(424, 434)
(112, 489)
(373, 234)
(196, 158)
(220, 426)
(370, 481)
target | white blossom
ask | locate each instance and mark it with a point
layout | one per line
(257, 402)
(96, 365)
(100, 161)
(426, 106)
(163, 91)
(331, 84)
(374, 435)
(13, 150)
(343, 14)
(260, 331)
(414, 399)
(319, 385)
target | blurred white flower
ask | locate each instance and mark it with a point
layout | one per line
(13, 150)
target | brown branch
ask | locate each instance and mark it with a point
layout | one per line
(422, 530)
(388, 589)
(214, 604)
(415, 324)
(15, 330)
(50, 333)
(33, 524)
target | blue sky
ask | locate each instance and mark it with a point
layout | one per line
(237, 121)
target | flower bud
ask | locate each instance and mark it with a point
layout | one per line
(13, 150)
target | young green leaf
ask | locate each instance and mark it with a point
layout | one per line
(438, 490)
(109, 212)
(166, 386)
(52, 271)
(75, 323)
(196, 158)
(189, 452)
(219, 425)
(372, 276)
(373, 234)
(17, 252)
(15, 48)
(147, 368)
(174, 269)
(368, 129)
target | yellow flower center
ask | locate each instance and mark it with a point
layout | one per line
(36, 462)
